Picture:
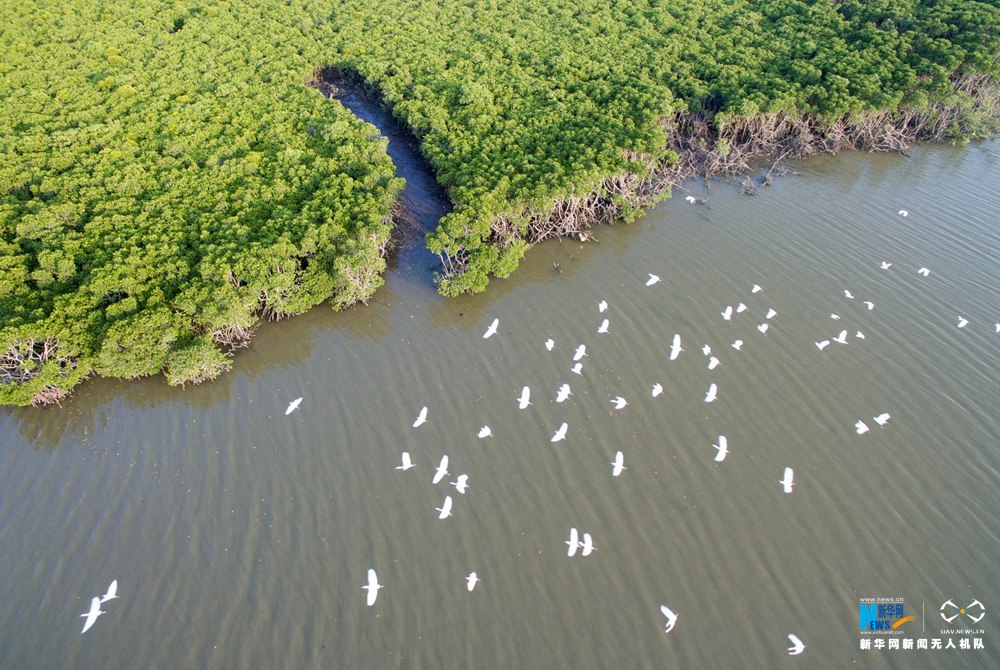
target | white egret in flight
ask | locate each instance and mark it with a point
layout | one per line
(670, 616)
(113, 590)
(788, 481)
(618, 464)
(574, 542)
(675, 347)
(491, 331)
(371, 587)
(442, 470)
(445, 509)
(91, 616)
(462, 484)
(421, 418)
(560, 434)
(723, 449)
(525, 399)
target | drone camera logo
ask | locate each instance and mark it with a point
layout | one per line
(974, 611)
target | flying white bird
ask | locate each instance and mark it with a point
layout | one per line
(723, 449)
(372, 587)
(445, 509)
(886, 265)
(727, 313)
(847, 294)
(859, 335)
(657, 389)
(113, 590)
(870, 305)
(789, 480)
(737, 345)
(763, 328)
(560, 434)
(485, 431)
(492, 330)
(652, 280)
(797, 646)
(691, 199)
(549, 343)
(421, 418)
(563, 393)
(574, 542)
(407, 463)
(675, 347)
(882, 419)
(924, 271)
(292, 406)
(770, 314)
(525, 399)
(740, 308)
(903, 213)
(618, 464)
(822, 345)
(603, 328)
(587, 546)
(671, 618)
(756, 289)
(962, 322)
(835, 317)
(619, 402)
(997, 326)
(471, 581)
(860, 427)
(581, 351)
(841, 338)
(712, 393)
(442, 470)
(577, 369)
(713, 363)
(706, 350)
(462, 484)
(602, 306)
(94, 612)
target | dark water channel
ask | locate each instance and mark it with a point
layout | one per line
(423, 201)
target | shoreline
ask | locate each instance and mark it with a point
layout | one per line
(705, 145)
(698, 146)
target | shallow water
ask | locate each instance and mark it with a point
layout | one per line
(241, 537)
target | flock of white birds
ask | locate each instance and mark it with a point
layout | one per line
(584, 543)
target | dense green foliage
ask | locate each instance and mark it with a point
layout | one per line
(167, 178)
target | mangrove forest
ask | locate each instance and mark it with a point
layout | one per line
(171, 173)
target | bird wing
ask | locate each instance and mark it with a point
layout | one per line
(112, 591)
(95, 611)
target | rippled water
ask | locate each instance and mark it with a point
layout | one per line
(241, 537)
